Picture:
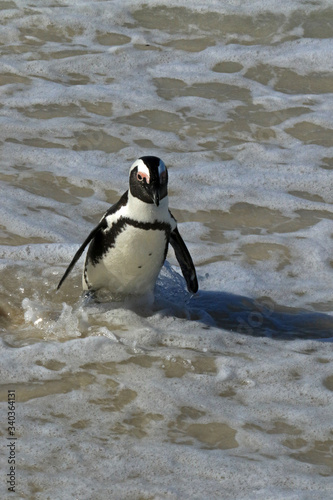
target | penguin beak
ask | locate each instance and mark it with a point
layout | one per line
(154, 191)
(156, 195)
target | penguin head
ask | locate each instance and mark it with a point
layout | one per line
(148, 180)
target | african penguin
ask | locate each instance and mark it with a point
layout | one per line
(129, 245)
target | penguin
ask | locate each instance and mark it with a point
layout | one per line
(129, 245)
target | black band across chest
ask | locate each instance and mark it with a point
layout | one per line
(106, 237)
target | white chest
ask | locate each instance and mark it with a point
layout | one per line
(132, 265)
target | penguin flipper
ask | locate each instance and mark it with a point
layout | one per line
(102, 225)
(185, 260)
(80, 251)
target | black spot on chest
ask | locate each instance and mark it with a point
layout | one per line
(106, 238)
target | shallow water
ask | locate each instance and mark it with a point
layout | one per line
(226, 394)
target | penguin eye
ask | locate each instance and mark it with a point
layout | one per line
(142, 176)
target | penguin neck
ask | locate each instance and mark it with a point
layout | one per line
(148, 212)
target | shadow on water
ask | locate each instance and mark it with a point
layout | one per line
(258, 317)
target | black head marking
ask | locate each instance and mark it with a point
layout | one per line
(151, 161)
(149, 179)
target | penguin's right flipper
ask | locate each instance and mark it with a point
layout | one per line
(80, 251)
(185, 260)
(102, 225)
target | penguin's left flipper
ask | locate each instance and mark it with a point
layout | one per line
(101, 225)
(185, 261)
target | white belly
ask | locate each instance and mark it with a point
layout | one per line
(131, 267)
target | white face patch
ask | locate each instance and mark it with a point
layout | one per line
(142, 170)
